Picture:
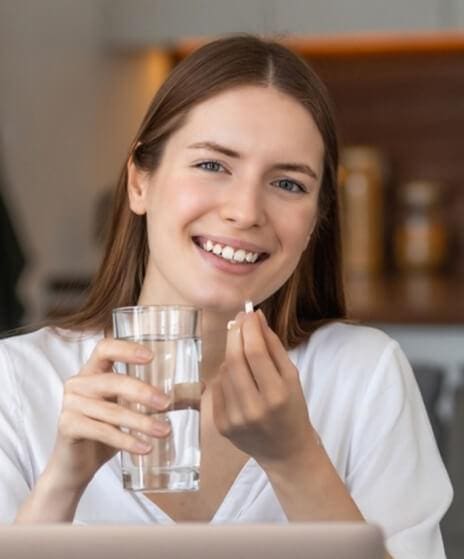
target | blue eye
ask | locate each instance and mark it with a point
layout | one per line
(212, 166)
(289, 186)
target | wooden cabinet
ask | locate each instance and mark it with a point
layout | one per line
(403, 94)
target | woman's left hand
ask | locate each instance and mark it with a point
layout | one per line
(258, 402)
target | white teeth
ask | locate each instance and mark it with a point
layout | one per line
(239, 256)
(228, 253)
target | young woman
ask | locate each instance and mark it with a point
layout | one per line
(229, 194)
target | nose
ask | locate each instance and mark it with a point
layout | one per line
(243, 205)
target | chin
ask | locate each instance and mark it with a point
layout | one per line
(221, 303)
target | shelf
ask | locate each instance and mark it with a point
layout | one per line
(407, 300)
(359, 44)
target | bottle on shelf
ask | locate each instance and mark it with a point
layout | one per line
(421, 232)
(362, 184)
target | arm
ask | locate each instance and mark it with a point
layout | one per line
(51, 500)
(310, 489)
(89, 431)
(260, 407)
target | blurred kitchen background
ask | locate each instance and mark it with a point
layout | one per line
(76, 78)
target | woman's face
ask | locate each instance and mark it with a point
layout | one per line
(233, 202)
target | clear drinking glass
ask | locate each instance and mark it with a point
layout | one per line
(173, 335)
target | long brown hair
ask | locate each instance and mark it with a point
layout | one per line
(313, 295)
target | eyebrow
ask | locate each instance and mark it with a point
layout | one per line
(213, 146)
(295, 167)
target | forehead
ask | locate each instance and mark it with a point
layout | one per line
(254, 119)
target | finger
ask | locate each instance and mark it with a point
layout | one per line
(267, 376)
(109, 350)
(219, 407)
(236, 362)
(238, 378)
(233, 407)
(276, 350)
(117, 415)
(114, 386)
(78, 427)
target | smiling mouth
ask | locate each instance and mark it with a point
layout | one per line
(228, 253)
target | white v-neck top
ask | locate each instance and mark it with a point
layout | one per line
(362, 399)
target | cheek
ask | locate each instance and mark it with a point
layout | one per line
(294, 231)
(176, 204)
(190, 203)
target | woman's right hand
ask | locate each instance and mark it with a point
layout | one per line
(89, 431)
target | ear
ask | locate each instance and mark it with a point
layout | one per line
(137, 188)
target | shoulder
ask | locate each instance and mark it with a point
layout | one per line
(346, 343)
(350, 359)
(46, 349)
(344, 334)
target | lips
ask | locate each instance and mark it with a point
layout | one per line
(235, 244)
(225, 265)
(231, 250)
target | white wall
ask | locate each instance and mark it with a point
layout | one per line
(341, 16)
(48, 113)
(148, 21)
(457, 12)
(68, 110)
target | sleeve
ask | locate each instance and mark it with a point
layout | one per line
(397, 477)
(14, 475)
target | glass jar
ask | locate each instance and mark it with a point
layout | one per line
(421, 236)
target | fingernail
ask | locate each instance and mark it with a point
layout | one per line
(142, 447)
(160, 429)
(160, 401)
(231, 324)
(143, 353)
